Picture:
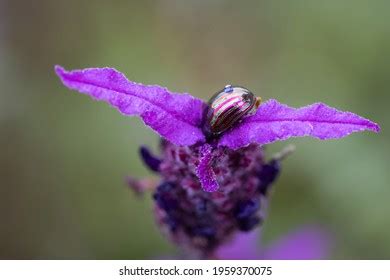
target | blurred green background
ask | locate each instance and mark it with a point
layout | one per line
(63, 157)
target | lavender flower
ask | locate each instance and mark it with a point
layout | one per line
(305, 243)
(211, 187)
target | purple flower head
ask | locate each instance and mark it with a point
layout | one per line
(201, 221)
(212, 185)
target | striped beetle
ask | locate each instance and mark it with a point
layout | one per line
(227, 107)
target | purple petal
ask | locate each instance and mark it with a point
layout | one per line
(274, 122)
(176, 117)
(205, 171)
(242, 247)
(310, 243)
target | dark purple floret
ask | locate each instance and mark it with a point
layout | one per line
(149, 159)
(201, 207)
(206, 232)
(164, 198)
(268, 175)
(247, 208)
(172, 223)
(246, 214)
(249, 223)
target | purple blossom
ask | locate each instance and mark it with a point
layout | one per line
(201, 221)
(211, 187)
(178, 117)
(305, 243)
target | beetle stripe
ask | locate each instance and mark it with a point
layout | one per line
(223, 96)
(224, 112)
(226, 102)
(221, 125)
(235, 118)
(235, 115)
(230, 116)
(222, 115)
(226, 107)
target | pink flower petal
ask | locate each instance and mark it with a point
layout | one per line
(310, 243)
(205, 170)
(176, 117)
(306, 243)
(275, 121)
(244, 246)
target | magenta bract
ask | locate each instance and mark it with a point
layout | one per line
(178, 118)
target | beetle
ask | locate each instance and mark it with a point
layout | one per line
(227, 107)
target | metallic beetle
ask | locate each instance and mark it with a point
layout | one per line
(227, 107)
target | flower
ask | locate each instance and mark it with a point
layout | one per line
(305, 243)
(211, 187)
(201, 221)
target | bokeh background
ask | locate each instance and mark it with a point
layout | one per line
(63, 157)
